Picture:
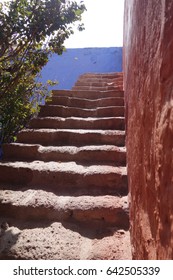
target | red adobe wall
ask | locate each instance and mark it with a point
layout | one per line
(148, 81)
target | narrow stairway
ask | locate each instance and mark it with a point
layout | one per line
(64, 183)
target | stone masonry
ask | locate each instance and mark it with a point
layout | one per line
(64, 182)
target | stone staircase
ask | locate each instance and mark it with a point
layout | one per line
(64, 183)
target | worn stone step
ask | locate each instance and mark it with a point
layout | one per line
(62, 111)
(87, 154)
(63, 241)
(70, 137)
(94, 82)
(114, 83)
(98, 84)
(88, 94)
(86, 103)
(102, 75)
(39, 205)
(65, 177)
(116, 123)
(99, 80)
(93, 88)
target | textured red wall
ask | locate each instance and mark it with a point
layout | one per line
(148, 81)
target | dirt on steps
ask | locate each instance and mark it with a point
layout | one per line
(63, 192)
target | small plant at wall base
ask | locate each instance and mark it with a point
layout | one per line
(30, 31)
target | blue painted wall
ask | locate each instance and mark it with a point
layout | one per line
(73, 62)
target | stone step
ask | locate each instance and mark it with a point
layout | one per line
(86, 83)
(86, 103)
(116, 123)
(93, 88)
(65, 178)
(63, 241)
(100, 80)
(88, 94)
(102, 75)
(71, 137)
(87, 154)
(114, 83)
(38, 205)
(62, 111)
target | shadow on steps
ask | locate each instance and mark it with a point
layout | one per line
(8, 238)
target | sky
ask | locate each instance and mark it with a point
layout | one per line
(103, 22)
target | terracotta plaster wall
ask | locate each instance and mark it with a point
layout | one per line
(148, 82)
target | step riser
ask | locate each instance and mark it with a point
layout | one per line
(60, 181)
(102, 216)
(112, 124)
(88, 94)
(32, 153)
(86, 104)
(69, 139)
(54, 110)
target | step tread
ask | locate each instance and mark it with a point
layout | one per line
(80, 109)
(97, 88)
(66, 178)
(66, 111)
(103, 74)
(86, 103)
(78, 131)
(92, 94)
(69, 137)
(89, 100)
(56, 91)
(67, 241)
(72, 91)
(38, 198)
(70, 166)
(70, 149)
(88, 119)
(108, 123)
(40, 205)
(109, 154)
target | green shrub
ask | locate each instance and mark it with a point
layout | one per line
(30, 30)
